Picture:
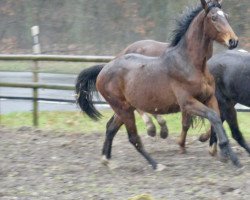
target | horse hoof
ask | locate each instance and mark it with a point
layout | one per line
(182, 150)
(223, 158)
(203, 138)
(152, 131)
(213, 150)
(104, 160)
(160, 167)
(164, 133)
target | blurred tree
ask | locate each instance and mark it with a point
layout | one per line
(98, 26)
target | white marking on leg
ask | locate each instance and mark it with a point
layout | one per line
(104, 160)
(160, 167)
(160, 120)
(213, 149)
(147, 121)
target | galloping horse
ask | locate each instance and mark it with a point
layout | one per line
(144, 47)
(229, 88)
(177, 80)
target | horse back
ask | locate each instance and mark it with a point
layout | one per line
(231, 71)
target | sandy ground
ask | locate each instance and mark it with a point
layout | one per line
(52, 165)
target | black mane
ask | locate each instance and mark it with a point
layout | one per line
(183, 23)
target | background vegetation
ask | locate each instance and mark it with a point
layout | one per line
(101, 27)
(94, 27)
(78, 123)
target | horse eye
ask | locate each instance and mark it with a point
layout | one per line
(214, 17)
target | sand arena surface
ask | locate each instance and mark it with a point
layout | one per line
(41, 165)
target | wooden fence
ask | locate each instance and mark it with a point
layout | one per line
(35, 85)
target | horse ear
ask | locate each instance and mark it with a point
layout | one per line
(204, 4)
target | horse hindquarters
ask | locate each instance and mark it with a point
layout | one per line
(112, 91)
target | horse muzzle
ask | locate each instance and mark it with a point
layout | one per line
(233, 43)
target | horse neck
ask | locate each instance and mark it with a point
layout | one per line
(197, 45)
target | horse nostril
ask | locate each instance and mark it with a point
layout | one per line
(231, 42)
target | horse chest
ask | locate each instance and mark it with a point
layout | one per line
(205, 91)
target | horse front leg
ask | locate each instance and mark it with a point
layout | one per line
(164, 129)
(194, 107)
(186, 122)
(151, 129)
(126, 115)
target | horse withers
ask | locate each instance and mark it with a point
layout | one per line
(177, 80)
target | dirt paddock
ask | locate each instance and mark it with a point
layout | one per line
(52, 165)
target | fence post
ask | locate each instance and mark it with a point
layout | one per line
(36, 50)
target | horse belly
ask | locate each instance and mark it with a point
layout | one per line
(152, 99)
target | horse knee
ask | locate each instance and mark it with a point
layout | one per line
(214, 118)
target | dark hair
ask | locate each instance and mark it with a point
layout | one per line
(183, 23)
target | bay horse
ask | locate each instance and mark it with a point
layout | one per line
(177, 80)
(145, 47)
(230, 89)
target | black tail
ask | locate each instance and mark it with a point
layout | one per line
(85, 88)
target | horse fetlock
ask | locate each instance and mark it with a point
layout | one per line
(224, 144)
(181, 141)
(226, 152)
(151, 131)
(164, 132)
(105, 160)
(223, 157)
(182, 150)
(160, 167)
(213, 149)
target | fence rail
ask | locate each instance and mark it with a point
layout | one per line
(48, 99)
(62, 58)
(36, 85)
(35, 58)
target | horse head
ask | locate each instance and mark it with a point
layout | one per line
(216, 24)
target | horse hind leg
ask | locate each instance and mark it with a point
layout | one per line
(112, 128)
(229, 114)
(164, 129)
(151, 129)
(231, 118)
(128, 118)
